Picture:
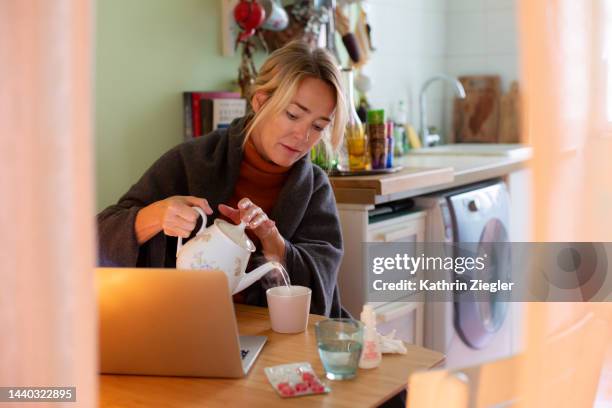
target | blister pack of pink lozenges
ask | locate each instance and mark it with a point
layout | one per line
(294, 380)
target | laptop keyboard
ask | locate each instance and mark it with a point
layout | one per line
(243, 353)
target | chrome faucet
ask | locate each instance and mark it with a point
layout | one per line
(459, 90)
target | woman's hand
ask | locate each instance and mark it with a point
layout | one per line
(255, 218)
(174, 216)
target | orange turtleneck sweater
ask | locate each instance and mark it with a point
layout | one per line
(260, 181)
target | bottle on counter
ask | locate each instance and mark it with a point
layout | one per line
(354, 135)
(434, 137)
(363, 108)
(371, 355)
(390, 143)
(377, 138)
(400, 136)
(320, 156)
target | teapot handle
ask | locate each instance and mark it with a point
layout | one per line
(179, 245)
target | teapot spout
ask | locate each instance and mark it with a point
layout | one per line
(254, 276)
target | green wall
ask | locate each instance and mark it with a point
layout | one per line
(147, 53)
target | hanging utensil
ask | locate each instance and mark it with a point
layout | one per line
(277, 18)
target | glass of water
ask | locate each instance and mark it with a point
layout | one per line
(340, 342)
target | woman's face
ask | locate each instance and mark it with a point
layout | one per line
(289, 136)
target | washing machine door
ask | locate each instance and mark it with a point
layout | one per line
(480, 219)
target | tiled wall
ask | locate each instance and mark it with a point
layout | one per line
(419, 38)
(410, 41)
(481, 38)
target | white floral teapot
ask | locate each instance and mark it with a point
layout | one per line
(222, 246)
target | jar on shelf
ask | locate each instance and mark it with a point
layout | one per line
(377, 138)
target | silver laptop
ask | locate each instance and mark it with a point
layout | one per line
(170, 322)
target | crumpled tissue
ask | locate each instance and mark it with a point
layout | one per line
(389, 344)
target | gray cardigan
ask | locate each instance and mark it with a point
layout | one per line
(208, 167)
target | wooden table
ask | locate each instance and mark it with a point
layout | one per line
(370, 387)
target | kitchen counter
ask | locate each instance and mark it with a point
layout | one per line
(433, 169)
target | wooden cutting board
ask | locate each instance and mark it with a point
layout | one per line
(509, 117)
(476, 118)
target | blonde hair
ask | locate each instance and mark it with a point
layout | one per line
(280, 77)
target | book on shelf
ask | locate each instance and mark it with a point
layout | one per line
(219, 113)
(187, 116)
(194, 116)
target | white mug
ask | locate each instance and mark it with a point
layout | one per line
(289, 307)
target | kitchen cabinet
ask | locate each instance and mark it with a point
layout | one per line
(408, 226)
(406, 318)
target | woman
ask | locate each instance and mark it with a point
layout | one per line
(257, 171)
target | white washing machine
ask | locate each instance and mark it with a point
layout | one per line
(470, 333)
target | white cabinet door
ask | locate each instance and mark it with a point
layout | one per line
(407, 228)
(406, 318)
